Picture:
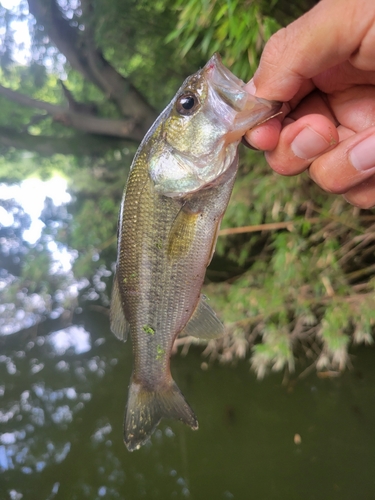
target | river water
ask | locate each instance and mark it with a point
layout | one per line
(62, 398)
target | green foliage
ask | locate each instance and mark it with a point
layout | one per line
(36, 269)
(335, 321)
(299, 294)
(238, 30)
(34, 85)
(16, 166)
(275, 351)
(132, 34)
(92, 231)
(297, 286)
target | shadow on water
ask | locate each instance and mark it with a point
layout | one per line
(62, 398)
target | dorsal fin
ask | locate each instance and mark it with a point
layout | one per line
(204, 324)
(119, 325)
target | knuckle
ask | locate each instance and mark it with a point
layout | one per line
(327, 179)
(332, 185)
(274, 48)
(283, 164)
(359, 202)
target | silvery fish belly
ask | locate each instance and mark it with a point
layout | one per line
(177, 191)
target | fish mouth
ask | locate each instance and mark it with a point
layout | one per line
(250, 110)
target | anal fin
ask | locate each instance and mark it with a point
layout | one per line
(204, 324)
(119, 325)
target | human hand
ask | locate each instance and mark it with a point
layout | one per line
(323, 67)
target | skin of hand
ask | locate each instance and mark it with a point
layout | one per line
(322, 66)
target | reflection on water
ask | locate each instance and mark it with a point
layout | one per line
(62, 400)
(73, 337)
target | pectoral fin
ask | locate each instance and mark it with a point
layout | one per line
(214, 241)
(119, 326)
(204, 324)
(182, 233)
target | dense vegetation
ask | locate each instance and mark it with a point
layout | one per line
(295, 282)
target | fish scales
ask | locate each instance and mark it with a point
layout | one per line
(150, 274)
(176, 194)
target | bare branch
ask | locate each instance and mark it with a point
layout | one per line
(25, 100)
(80, 107)
(48, 146)
(119, 89)
(271, 226)
(125, 129)
(34, 120)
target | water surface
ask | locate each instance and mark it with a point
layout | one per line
(62, 399)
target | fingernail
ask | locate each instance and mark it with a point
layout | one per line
(308, 144)
(247, 144)
(362, 156)
(250, 87)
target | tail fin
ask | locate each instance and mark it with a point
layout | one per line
(145, 409)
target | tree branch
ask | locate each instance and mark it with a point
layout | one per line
(30, 102)
(79, 49)
(78, 145)
(124, 129)
(59, 30)
(79, 107)
(119, 89)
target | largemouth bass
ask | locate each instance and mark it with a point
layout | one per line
(176, 194)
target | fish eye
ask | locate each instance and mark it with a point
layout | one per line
(186, 104)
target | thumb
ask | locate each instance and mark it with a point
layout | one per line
(327, 35)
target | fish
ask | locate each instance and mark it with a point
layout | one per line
(176, 194)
